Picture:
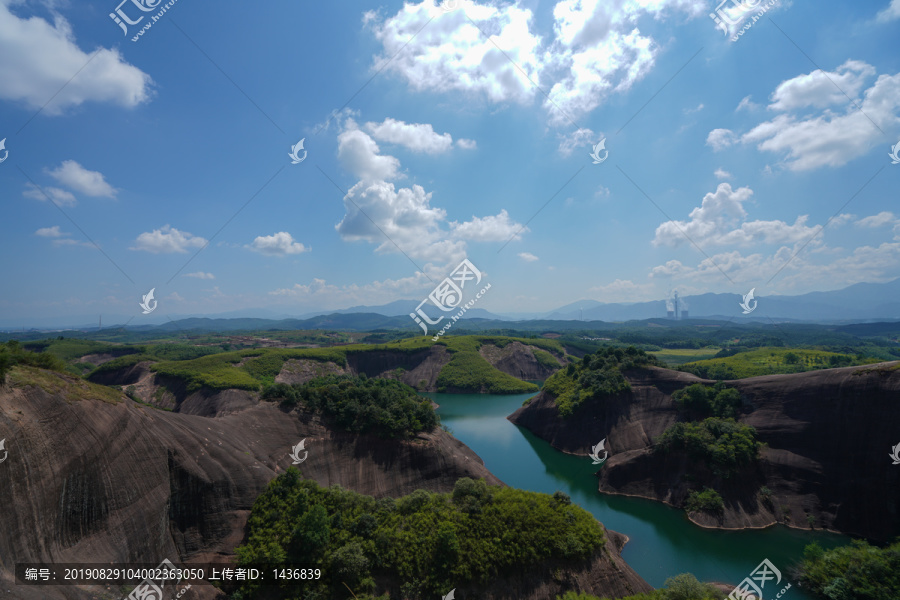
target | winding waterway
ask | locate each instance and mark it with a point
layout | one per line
(662, 542)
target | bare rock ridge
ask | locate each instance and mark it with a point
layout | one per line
(109, 480)
(828, 434)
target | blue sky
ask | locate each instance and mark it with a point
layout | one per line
(460, 133)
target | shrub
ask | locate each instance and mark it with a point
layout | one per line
(708, 500)
(705, 401)
(723, 444)
(597, 376)
(419, 549)
(854, 572)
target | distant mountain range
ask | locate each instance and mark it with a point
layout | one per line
(861, 302)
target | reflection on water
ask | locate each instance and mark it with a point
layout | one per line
(662, 542)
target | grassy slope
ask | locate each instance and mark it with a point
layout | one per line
(769, 361)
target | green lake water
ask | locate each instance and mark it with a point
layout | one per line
(662, 542)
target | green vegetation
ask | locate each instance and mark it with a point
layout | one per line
(680, 587)
(12, 354)
(71, 387)
(701, 401)
(724, 445)
(545, 359)
(469, 371)
(708, 500)
(385, 407)
(770, 361)
(597, 376)
(417, 546)
(855, 572)
(675, 357)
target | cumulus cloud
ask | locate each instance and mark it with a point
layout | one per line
(167, 240)
(360, 155)
(40, 58)
(497, 228)
(403, 219)
(200, 275)
(596, 50)
(817, 124)
(721, 220)
(720, 139)
(722, 174)
(277, 244)
(528, 256)
(579, 138)
(891, 13)
(50, 232)
(90, 183)
(881, 219)
(418, 137)
(54, 194)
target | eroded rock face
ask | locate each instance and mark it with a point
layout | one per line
(516, 359)
(828, 435)
(90, 481)
(120, 482)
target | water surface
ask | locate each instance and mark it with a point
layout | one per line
(662, 542)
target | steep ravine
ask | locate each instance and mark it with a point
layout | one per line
(116, 482)
(828, 434)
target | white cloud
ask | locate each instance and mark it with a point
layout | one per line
(842, 219)
(579, 138)
(470, 62)
(200, 275)
(497, 228)
(40, 60)
(403, 219)
(879, 220)
(690, 111)
(830, 138)
(819, 89)
(720, 139)
(720, 220)
(167, 240)
(71, 242)
(623, 290)
(466, 144)
(51, 232)
(722, 174)
(746, 104)
(277, 244)
(56, 195)
(528, 256)
(596, 50)
(90, 183)
(418, 137)
(360, 155)
(891, 13)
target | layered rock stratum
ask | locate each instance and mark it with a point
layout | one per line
(95, 477)
(827, 435)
